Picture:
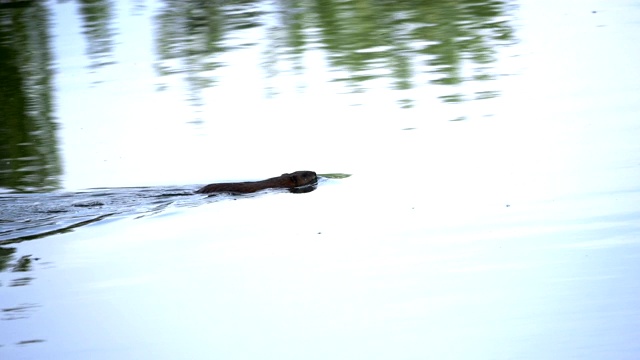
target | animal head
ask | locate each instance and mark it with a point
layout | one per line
(301, 178)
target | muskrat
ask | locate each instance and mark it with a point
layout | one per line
(285, 181)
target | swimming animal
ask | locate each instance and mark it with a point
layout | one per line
(299, 181)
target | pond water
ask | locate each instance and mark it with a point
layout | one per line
(491, 210)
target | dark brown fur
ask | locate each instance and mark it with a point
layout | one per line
(284, 181)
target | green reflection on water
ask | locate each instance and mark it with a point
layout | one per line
(398, 42)
(29, 158)
(97, 16)
(363, 40)
(6, 255)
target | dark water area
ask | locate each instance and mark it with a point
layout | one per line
(29, 154)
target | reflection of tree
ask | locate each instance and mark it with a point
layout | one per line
(367, 40)
(23, 264)
(381, 39)
(285, 41)
(29, 158)
(363, 39)
(190, 35)
(97, 16)
(6, 255)
(465, 31)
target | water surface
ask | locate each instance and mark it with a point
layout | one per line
(491, 212)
